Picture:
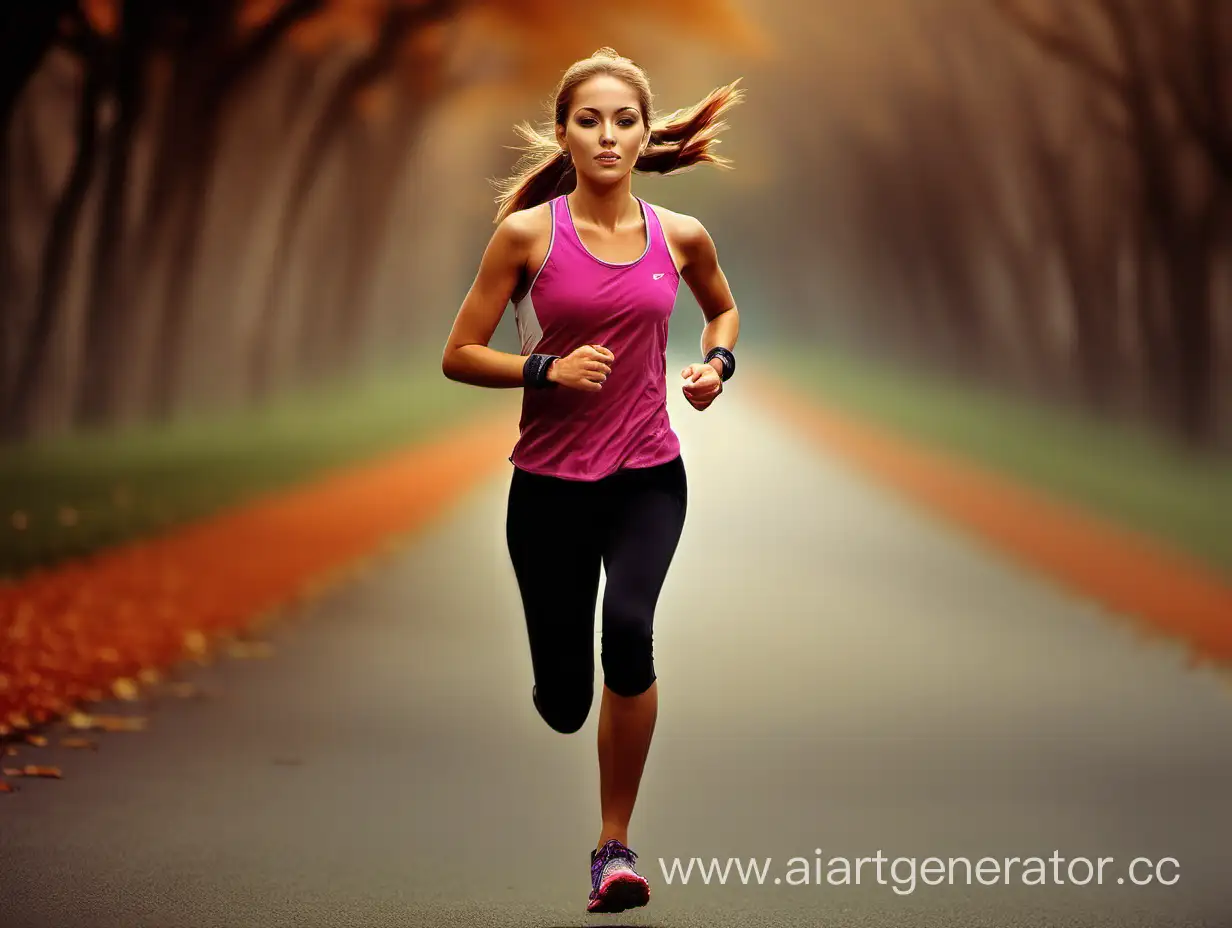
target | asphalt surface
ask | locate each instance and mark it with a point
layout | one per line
(839, 675)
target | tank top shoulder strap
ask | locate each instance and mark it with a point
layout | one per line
(552, 251)
(565, 241)
(654, 227)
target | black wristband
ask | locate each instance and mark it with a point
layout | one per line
(728, 359)
(535, 370)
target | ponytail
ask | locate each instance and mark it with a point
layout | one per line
(678, 141)
(687, 137)
(543, 172)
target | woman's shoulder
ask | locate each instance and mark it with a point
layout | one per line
(684, 230)
(525, 226)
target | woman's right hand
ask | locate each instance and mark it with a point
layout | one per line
(584, 368)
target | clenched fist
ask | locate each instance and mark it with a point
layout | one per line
(702, 386)
(584, 368)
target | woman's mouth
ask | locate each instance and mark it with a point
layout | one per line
(607, 157)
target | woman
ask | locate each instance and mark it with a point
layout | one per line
(598, 476)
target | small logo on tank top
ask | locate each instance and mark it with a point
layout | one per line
(657, 276)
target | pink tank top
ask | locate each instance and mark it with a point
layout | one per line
(576, 299)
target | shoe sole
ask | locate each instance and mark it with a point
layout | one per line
(620, 893)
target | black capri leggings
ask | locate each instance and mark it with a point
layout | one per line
(559, 532)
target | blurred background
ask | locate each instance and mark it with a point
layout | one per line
(234, 233)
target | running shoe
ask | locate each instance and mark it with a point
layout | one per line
(615, 885)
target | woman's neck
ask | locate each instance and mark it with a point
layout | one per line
(605, 207)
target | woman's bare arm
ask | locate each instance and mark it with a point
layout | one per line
(467, 357)
(705, 277)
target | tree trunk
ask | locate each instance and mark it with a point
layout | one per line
(57, 254)
(1189, 275)
(107, 310)
(216, 85)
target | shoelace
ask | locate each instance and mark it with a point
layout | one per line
(615, 850)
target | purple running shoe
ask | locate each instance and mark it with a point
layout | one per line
(615, 885)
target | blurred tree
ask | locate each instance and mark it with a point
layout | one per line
(1166, 66)
(416, 55)
(166, 80)
(400, 37)
(115, 42)
(1060, 230)
(75, 31)
(27, 32)
(213, 64)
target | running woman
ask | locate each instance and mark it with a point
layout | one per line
(598, 478)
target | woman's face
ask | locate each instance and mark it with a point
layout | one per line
(605, 130)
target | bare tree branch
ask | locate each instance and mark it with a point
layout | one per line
(1057, 44)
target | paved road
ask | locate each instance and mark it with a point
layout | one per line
(837, 672)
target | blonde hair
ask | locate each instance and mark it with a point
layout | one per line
(678, 141)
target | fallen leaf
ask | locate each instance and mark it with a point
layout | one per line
(119, 723)
(11, 771)
(84, 722)
(125, 689)
(79, 743)
(10, 751)
(136, 610)
(37, 740)
(150, 676)
(195, 643)
(7, 787)
(186, 690)
(50, 772)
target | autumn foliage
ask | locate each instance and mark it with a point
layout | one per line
(203, 229)
(235, 166)
(106, 627)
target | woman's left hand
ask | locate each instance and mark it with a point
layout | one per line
(703, 385)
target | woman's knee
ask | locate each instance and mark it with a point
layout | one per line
(628, 652)
(629, 680)
(565, 708)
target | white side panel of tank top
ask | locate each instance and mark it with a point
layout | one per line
(530, 332)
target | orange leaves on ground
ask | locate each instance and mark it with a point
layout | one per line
(125, 689)
(1163, 592)
(111, 723)
(99, 628)
(31, 770)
